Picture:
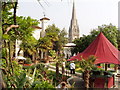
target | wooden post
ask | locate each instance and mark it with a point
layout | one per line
(106, 66)
(116, 67)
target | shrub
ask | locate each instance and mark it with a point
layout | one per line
(42, 84)
(28, 61)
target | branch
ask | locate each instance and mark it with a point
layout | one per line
(12, 26)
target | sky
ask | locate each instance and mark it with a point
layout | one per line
(90, 13)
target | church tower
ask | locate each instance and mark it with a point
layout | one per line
(73, 29)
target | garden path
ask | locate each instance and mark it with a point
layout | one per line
(77, 78)
(74, 79)
(67, 72)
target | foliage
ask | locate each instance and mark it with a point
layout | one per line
(25, 26)
(4, 51)
(0, 33)
(110, 32)
(22, 33)
(15, 75)
(41, 67)
(28, 61)
(98, 69)
(87, 64)
(41, 72)
(57, 37)
(44, 84)
(118, 40)
(45, 43)
(52, 53)
(15, 79)
(20, 80)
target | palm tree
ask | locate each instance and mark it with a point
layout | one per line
(87, 65)
(44, 45)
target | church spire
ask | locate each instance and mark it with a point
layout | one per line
(73, 29)
(73, 11)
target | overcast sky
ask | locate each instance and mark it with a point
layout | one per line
(90, 13)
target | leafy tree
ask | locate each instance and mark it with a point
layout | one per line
(110, 32)
(58, 60)
(57, 37)
(45, 43)
(29, 47)
(118, 40)
(54, 40)
(10, 34)
(86, 66)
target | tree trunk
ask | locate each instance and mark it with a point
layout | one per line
(10, 59)
(39, 54)
(2, 83)
(7, 62)
(63, 68)
(33, 57)
(116, 67)
(106, 66)
(57, 70)
(86, 78)
(14, 17)
(14, 46)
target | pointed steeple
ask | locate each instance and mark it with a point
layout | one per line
(73, 11)
(73, 29)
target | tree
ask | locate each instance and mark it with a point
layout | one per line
(57, 37)
(110, 32)
(29, 47)
(87, 65)
(25, 30)
(44, 45)
(54, 40)
(118, 40)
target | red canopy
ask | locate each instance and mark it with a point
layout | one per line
(102, 49)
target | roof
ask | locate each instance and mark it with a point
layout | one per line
(44, 19)
(36, 27)
(102, 49)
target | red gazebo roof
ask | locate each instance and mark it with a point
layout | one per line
(102, 49)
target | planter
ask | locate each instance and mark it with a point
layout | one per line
(27, 64)
(96, 72)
